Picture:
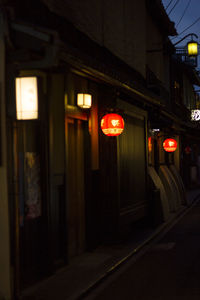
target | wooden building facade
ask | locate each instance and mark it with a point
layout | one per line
(66, 186)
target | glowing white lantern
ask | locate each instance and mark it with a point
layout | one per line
(195, 115)
(26, 98)
(84, 100)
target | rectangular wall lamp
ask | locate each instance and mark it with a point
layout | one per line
(84, 100)
(26, 89)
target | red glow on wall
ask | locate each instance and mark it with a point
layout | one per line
(150, 144)
(112, 124)
(170, 145)
(188, 150)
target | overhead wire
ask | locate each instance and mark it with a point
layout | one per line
(173, 7)
(169, 4)
(183, 13)
(197, 20)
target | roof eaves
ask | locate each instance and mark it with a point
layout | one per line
(157, 11)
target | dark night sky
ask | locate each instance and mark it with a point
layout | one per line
(184, 13)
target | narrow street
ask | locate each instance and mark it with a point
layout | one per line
(99, 150)
(168, 270)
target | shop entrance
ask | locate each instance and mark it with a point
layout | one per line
(31, 230)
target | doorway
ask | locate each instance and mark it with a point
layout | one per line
(30, 170)
(77, 183)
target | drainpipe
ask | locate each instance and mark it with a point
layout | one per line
(5, 269)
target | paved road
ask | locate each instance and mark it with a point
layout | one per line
(168, 270)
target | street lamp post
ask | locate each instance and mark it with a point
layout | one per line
(189, 52)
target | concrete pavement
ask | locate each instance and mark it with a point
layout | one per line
(169, 269)
(88, 272)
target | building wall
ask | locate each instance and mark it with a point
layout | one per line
(188, 93)
(132, 162)
(155, 59)
(121, 32)
(166, 73)
(5, 271)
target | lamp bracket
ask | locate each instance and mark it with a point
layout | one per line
(189, 34)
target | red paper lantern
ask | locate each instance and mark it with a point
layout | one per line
(112, 124)
(170, 145)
